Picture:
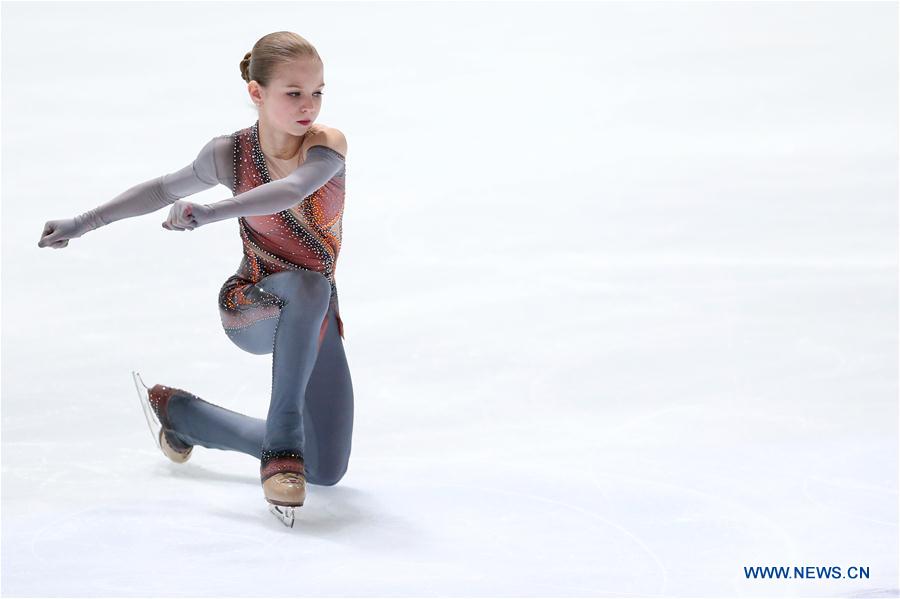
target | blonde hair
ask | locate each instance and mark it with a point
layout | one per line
(271, 50)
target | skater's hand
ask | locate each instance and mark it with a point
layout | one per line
(186, 216)
(57, 233)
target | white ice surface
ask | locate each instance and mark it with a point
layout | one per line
(619, 283)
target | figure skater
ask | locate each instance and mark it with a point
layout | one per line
(287, 179)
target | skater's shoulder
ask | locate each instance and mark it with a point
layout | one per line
(214, 162)
(324, 135)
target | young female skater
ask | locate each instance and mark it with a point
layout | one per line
(287, 179)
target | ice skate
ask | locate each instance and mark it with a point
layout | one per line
(154, 402)
(283, 480)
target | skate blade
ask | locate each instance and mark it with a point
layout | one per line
(153, 422)
(284, 513)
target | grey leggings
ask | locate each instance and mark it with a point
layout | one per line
(311, 405)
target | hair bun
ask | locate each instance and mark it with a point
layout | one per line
(245, 67)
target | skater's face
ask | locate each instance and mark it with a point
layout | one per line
(294, 94)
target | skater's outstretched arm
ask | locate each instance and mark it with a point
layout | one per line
(322, 163)
(211, 167)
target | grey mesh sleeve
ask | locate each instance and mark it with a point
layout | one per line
(322, 163)
(162, 191)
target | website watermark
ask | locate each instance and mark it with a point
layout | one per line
(815, 572)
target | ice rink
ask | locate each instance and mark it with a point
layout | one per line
(619, 284)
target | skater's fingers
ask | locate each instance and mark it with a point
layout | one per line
(49, 237)
(179, 215)
(57, 231)
(61, 244)
(50, 240)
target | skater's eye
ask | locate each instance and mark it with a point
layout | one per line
(315, 94)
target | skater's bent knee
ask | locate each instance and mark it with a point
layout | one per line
(256, 339)
(328, 478)
(329, 482)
